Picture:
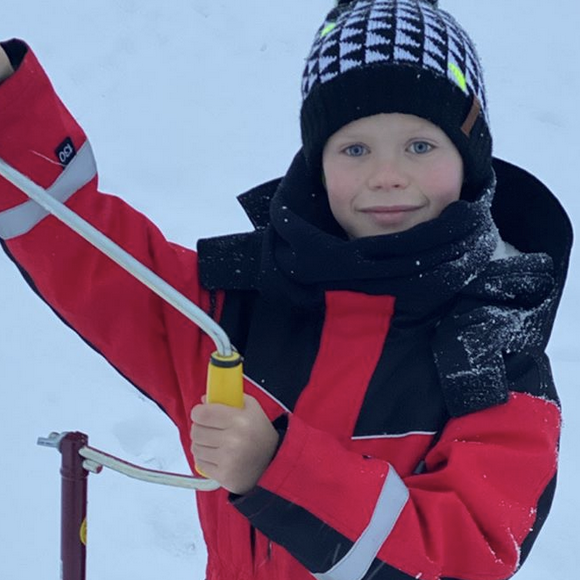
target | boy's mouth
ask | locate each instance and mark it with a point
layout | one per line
(390, 209)
(390, 215)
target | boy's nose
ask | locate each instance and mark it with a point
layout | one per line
(388, 174)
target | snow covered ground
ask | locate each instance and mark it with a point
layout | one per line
(187, 103)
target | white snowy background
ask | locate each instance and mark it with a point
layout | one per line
(187, 103)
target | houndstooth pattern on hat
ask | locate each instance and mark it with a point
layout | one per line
(398, 32)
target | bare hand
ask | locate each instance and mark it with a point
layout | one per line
(5, 67)
(233, 446)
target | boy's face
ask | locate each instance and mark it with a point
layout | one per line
(389, 172)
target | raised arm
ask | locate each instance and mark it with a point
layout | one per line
(146, 340)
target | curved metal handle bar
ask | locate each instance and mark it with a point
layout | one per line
(95, 459)
(119, 256)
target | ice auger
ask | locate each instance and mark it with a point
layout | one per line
(224, 385)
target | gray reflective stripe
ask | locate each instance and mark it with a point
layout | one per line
(22, 218)
(356, 563)
(394, 435)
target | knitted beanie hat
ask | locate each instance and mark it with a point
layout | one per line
(396, 56)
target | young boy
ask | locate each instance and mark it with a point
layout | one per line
(400, 418)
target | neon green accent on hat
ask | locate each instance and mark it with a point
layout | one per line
(328, 29)
(459, 76)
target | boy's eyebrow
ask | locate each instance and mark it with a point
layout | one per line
(413, 133)
(350, 137)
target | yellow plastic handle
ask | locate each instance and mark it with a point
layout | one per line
(225, 380)
(225, 383)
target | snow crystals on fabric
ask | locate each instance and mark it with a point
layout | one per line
(517, 294)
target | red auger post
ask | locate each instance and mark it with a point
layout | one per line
(73, 537)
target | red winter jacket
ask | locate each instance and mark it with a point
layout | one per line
(349, 494)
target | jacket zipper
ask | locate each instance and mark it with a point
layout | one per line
(253, 547)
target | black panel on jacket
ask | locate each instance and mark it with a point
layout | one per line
(263, 509)
(279, 345)
(404, 380)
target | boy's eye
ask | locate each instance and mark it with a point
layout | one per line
(421, 147)
(356, 150)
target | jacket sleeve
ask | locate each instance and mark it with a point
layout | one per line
(145, 339)
(472, 511)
